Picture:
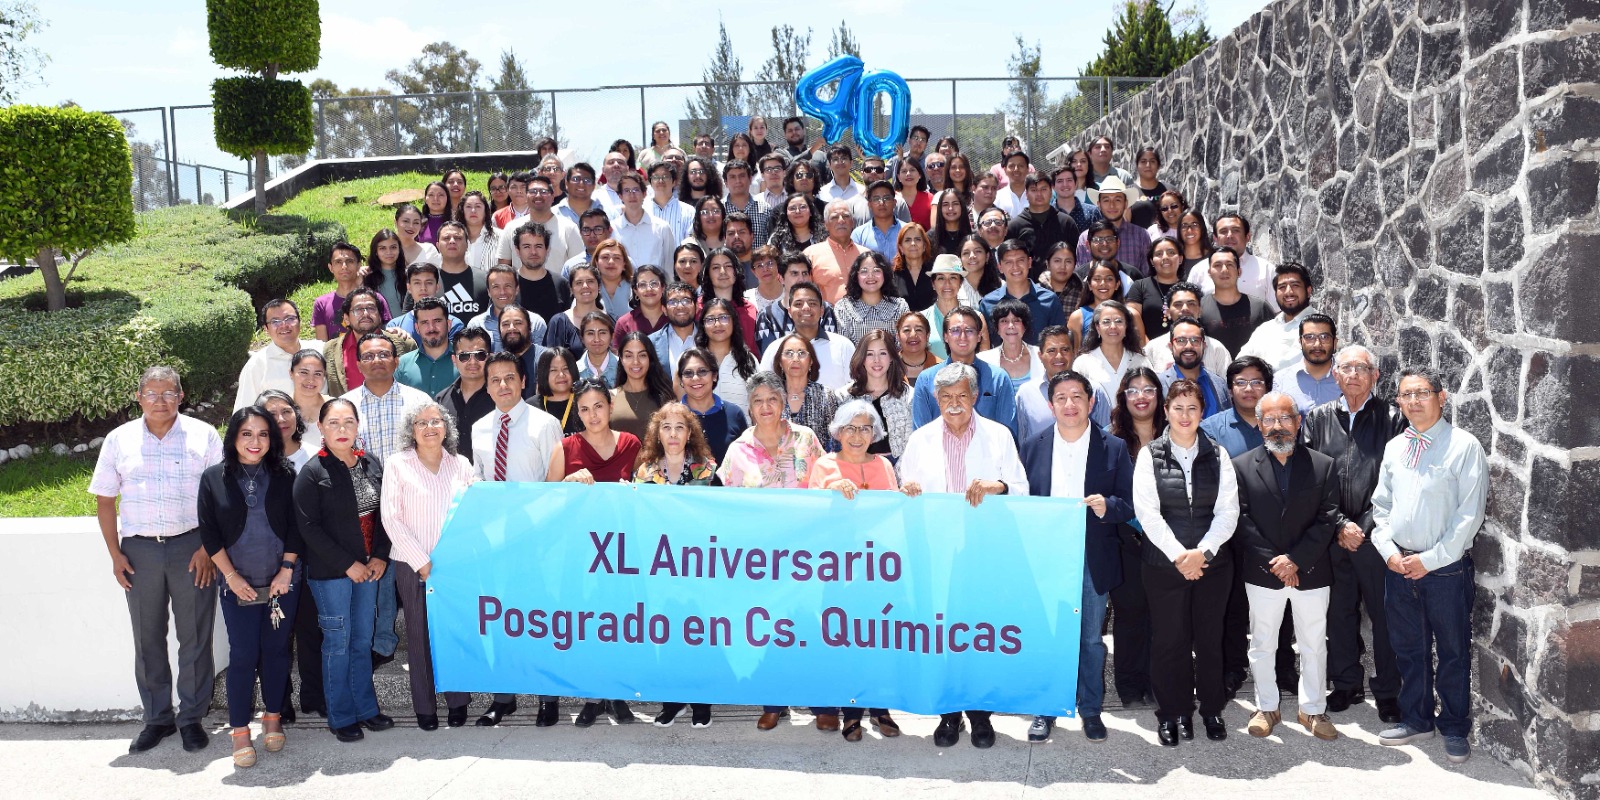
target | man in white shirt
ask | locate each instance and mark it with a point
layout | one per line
(564, 238)
(1013, 198)
(647, 239)
(842, 187)
(961, 452)
(152, 465)
(1277, 341)
(612, 168)
(1255, 274)
(514, 442)
(772, 166)
(580, 193)
(268, 368)
(834, 350)
(1183, 300)
(664, 203)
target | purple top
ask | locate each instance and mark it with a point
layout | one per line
(430, 228)
(325, 311)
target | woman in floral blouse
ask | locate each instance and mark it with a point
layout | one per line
(774, 453)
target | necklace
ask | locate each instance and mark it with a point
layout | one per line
(1009, 359)
(250, 487)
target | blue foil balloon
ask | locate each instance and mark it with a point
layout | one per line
(838, 114)
(872, 84)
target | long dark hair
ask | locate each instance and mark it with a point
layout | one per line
(940, 240)
(374, 278)
(1130, 335)
(783, 236)
(708, 291)
(744, 362)
(1205, 232)
(858, 365)
(1122, 419)
(990, 279)
(274, 461)
(656, 381)
(633, 157)
(449, 202)
(1086, 294)
(750, 156)
(713, 180)
(699, 230)
(541, 381)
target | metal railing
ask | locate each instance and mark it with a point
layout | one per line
(979, 112)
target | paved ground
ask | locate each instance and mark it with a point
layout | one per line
(733, 759)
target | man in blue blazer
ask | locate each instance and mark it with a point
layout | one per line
(1073, 458)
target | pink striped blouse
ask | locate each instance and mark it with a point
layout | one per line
(415, 501)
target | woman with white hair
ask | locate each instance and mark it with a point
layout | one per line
(419, 484)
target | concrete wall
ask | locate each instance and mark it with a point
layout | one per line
(320, 173)
(68, 654)
(1434, 162)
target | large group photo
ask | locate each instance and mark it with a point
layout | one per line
(1182, 425)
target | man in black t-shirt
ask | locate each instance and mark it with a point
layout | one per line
(1230, 316)
(539, 290)
(459, 287)
(1040, 226)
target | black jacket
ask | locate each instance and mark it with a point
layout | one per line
(222, 510)
(325, 504)
(1039, 232)
(1109, 473)
(1300, 525)
(1356, 453)
(1188, 516)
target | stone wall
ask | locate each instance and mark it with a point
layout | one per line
(1434, 163)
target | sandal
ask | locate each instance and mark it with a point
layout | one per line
(244, 753)
(272, 737)
(852, 730)
(886, 726)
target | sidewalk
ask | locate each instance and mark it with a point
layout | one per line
(733, 759)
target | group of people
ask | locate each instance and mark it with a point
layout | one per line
(1246, 491)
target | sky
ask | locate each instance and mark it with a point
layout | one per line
(112, 55)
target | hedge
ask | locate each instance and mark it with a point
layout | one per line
(182, 293)
(65, 180)
(250, 34)
(253, 113)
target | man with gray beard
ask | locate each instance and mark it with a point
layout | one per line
(1288, 512)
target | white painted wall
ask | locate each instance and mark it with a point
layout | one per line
(68, 643)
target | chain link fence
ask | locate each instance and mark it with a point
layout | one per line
(159, 178)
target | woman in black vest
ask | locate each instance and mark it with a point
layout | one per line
(1187, 500)
(247, 525)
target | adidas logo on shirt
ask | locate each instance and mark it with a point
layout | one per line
(461, 301)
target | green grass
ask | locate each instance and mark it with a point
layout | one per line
(47, 485)
(364, 218)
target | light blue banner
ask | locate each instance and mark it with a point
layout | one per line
(760, 596)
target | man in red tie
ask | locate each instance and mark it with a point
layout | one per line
(514, 442)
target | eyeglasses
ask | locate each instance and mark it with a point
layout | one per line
(472, 355)
(1352, 369)
(771, 169)
(1190, 226)
(1139, 391)
(1113, 322)
(286, 322)
(952, 332)
(661, 179)
(678, 302)
(1171, 207)
(795, 354)
(1103, 239)
(991, 223)
(1417, 394)
(872, 170)
(1185, 341)
(539, 192)
(1271, 422)
(361, 310)
(720, 319)
(935, 165)
(863, 430)
(710, 212)
(1313, 338)
(630, 190)
(647, 286)
(368, 358)
(882, 199)
(801, 175)
(428, 423)
(168, 396)
(698, 372)
(595, 230)
(1242, 383)
(579, 180)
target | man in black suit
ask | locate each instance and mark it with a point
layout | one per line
(1288, 512)
(1073, 458)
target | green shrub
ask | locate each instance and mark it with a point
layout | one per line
(183, 293)
(66, 180)
(250, 34)
(257, 114)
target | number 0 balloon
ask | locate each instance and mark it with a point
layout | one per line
(885, 82)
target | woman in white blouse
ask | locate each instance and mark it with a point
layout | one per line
(419, 484)
(1112, 347)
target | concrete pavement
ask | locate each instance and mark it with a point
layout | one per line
(733, 759)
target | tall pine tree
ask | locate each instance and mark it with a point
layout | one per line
(714, 102)
(1141, 43)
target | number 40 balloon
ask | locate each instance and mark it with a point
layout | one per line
(851, 106)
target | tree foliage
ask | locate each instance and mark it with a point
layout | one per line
(1141, 42)
(20, 62)
(843, 42)
(716, 101)
(790, 49)
(265, 36)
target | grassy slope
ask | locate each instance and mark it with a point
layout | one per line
(364, 218)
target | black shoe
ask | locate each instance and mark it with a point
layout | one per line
(948, 732)
(1186, 728)
(1232, 682)
(669, 714)
(1039, 731)
(1389, 709)
(586, 717)
(1093, 729)
(378, 722)
(620, 712)
(349, 733)
(1167, 733)
(456, 717)
(194, 737)
(428, 722)
(982, 733)
(378, 661)
(701, 717)
(549, 714)
(1341, 700)
(1216, 729)
(496, 712)
(288, 712)
(150, 737)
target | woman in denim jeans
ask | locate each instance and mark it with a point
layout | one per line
(336, 497)
(247, 525)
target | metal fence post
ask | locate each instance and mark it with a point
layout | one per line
(644, 127)
(396, 107)
(168, 121)
(225, 186)
(555, 125)
(322, 132)
(955, 115)
(477, 123)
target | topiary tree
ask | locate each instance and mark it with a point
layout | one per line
(66, 184)
(260, 115)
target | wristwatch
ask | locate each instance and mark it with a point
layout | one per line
(1209, 554)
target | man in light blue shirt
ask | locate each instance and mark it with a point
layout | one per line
(1311, 382)
(1188, 342)
(1237, 429)
(881, 231)
(1427, 508)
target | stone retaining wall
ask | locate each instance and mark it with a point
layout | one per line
(1434, 163)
